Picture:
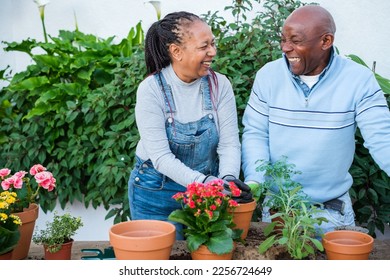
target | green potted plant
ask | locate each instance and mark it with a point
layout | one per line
(293, 217)
(207, 212)
(58, 235)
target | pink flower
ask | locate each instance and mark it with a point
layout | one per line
(6, 184)
(20, 184)
(13, 181)
(20, 174)
(4, 172)
(36, 169)
(17, 180)
(46, 180)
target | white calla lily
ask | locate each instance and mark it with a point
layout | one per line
(41, 3)
(157, 7)
(41, 6)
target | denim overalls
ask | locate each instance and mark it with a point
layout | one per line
(194, 143)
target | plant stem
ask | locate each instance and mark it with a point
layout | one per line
(34, 195)
(44, 28)
(42, 15)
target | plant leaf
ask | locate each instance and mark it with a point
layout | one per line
(266, 244)
(195, 240)
(220, 244)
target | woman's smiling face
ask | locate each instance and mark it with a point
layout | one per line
(193, 57)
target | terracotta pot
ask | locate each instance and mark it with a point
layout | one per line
(142, 240)
(65, 253)
(347, 245)
(6, 256)
(203, 253)
(242, 216)
(28, 218)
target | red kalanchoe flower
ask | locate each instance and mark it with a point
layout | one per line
(234, 189)
(233, 203)
(191, 204)
(207, 213)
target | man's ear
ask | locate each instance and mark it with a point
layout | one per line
(175, 52)
(327, 41)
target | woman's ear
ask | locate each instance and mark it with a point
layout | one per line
(327, 41)
(175, 52)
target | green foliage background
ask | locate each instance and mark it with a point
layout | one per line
(72, 109)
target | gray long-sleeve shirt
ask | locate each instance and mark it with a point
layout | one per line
(151, 116)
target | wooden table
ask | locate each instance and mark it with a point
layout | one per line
(249, 252)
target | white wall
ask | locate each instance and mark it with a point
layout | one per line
(362, 25)
(362, 29)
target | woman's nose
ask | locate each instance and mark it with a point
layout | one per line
(212, 51)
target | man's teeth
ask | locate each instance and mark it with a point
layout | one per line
(294, 59)
(208, 63)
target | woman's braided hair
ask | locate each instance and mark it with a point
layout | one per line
(161, 34)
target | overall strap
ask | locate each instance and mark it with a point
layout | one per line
(205, 88)
(167, 92)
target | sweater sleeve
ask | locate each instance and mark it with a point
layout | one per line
(229, 148)
(255, 144)
(373, 119)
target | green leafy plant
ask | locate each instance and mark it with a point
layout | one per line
(278, 175)
(72, 110)
(291, 212)
(58, 231)
(9, 223)
(207, 214)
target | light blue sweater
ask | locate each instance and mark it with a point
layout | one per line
(316, 133)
